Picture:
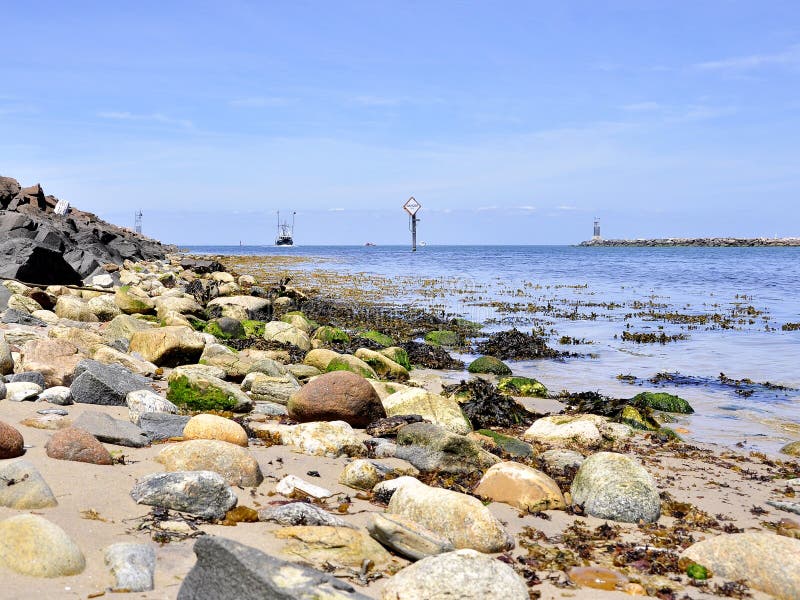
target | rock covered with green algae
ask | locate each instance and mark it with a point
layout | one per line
(228, 570)
(522, 386)
(197, 391)
(383, 366)
(791, 449)
(443, 337)
(662, 401)
(398, 355)
(329, 335)
(508, 444)
(348, 362)
(379, 338)
(767, 562)
(489, 365)
(617, 487)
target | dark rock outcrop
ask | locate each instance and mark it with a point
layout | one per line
(42, 247)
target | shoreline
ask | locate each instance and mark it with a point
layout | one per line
(701, 486)
(716, 242)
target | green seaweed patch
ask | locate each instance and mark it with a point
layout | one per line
(197, 324)
(339, 364)
(149, 318)
(469, 327)
(331, 335)
(698, 572)
(489, 364)
(522, 386)
(184, 395)
(398, 355)
(379, 338)
(662, 401)
(631, 416)
(508, 444)
(443, 337)
(253, 328)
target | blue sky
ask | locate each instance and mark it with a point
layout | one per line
(510, 122)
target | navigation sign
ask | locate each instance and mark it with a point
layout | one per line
(62, 207)
(412, 206)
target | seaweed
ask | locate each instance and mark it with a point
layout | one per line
(516, 345)
(430, 357)
(487, 406)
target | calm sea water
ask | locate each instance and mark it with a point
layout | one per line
(591, 290)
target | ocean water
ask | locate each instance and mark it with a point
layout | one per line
(740, 298)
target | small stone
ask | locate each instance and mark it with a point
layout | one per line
(291, 485)
(132, 565)
(59, 395)
(463, 574)
(233, 462)
(11, 442)
(201, 493)
(598, 578)
(50, 422)
(163, 426)
(145, 401)
(360, 474)
(22, 391)
(77, 445)
(521, 486)
(213, 427)
(300, 513)
(32, 545)
(406, 537)
(22, 487)
(53, 411)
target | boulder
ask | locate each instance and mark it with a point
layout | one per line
(791, 449)
(241, 307)
(145, 401)
(124, 326)
(29, 377)
(36, 547)
(348, 362)
(233, 462)
(197, 391)
(278, 331)
(614, 486)
(24, 304)
(430, 447)
(212, 427)
(112, 431)
(163, 426)
(521, 486)
(131, 300)
(132, 565)
(55, 359)
(432, 407)
(203, 494)
(103, 307)
(383, 366)
(86, 340)
(77, 445)
(96, 383)
(29, 490)
(337, 396)
(320, 358)
(463, 574)
(397, 355)
(168, 346)
(461, 519)
(489, 365)
(228, 570)
(74, 309)
(11, 442)
(406, 537)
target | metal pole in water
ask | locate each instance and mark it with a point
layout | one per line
(413, 233)
(412, 207)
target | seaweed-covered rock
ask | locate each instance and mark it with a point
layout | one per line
(225, 328)
(430, 357)
(443, 337)
(522, 386)
(198, 391)
(383, 366)
(489, 365)
(379, 338)
(662, 401)
(510, 445)
(516, 345)
(486, 407)
(329, 335)
(398, 355)
(348, 362)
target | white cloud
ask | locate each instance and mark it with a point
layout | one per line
(567, 207)
(526, 207)
(154, 118)
(753, 61)
(338, 209)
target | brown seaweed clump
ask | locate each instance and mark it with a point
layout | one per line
(430, 357)
(487, 407)
(516, 345)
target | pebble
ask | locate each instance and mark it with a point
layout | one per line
(53, 411)
(292, 484)
(598, 578)
(132, 565)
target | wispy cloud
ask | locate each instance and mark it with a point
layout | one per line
(259, 102)
(567, 207)
(387, 101)
(790, 56)
(153, 118)
(337, 209)
(526, 208)
(643, 107)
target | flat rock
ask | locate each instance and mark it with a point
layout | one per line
(141, 402)
(300, 513)
(11, 442)
(29, 490)
(463, 574)
(212, 427)
(767, 562)
(132, 565)
(228, 570)
(163, 426)
(201, 493)
(406, 537)
(617, 487)
(277, 389)
(112, 431)
(562, 429)
(445, 512)
(337, 396)
(430, 447)
(233, 462)
(520, 486)
(96, 383)
(432, 407)
(557, 460)
(50, 422)
(77, 445)
(36, 547)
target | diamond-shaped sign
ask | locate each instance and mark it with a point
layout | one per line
(412, 206)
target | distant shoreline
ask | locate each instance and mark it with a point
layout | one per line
(697, 242)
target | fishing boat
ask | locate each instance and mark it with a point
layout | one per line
(285, 232)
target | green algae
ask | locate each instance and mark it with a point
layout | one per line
(489, 364)
(185, 395)
(522, 386)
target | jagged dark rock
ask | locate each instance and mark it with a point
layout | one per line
(41, 247)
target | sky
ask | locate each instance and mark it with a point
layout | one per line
(510, 122)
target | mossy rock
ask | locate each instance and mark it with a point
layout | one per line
(398, 355)
(631, 416)
(662, 401)
(379, 338)
(443, 337)
(331, 335)
(253, 328)
(184, 394)
(299, 320)
(522, 386)
(149, 318)
(197, 324)
(343, 363)
(469, 326)
(489, 364)
(508, 444)
(225, 329)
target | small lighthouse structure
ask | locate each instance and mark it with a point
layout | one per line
(137, 221)
(596, 235)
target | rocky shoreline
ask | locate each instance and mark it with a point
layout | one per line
(187, 432)
(697, 242)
